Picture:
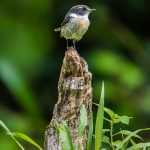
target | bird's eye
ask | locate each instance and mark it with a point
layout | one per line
(83, 9)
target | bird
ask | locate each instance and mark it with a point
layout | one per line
(75, 23)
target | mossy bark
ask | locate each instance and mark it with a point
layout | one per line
(74, 90)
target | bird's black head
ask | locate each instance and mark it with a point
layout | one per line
(81, 10)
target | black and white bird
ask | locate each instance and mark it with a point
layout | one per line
(75, 24)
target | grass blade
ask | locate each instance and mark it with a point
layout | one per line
(139, 145)
(10, 133)
(25, 138)
(68, 135)
(90, 134)
(99, 121)
(64, 137)
(83, 121)
(133, 143)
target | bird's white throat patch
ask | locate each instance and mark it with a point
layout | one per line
(79, 16)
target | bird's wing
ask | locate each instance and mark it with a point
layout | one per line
(66, 20)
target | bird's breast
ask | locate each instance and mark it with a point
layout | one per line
(76, 29)
(83, 22)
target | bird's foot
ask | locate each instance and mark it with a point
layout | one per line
(74, 45)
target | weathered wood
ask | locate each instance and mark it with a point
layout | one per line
(74, 89)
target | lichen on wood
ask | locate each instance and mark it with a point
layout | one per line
(74, 90)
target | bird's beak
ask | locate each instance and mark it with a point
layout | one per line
(92, 10)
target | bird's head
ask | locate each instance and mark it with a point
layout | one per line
(80, 10)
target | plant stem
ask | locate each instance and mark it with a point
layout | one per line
(107, 120)
(122, 139)
(111, 134)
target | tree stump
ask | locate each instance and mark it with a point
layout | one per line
(74, 90)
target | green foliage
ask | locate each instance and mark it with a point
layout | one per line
(64, 134)
(139, 145)
(83, 121)
(100, 137)
(99, 121)
(25, 138)
(90, 133)
(126, 132)
(64, 137)
(8, 131)
(132, 134)
(116, 118)
(22, 136)
(124, 141)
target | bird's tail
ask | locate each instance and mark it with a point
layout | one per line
(57, 29)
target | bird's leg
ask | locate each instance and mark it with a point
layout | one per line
(74, 45)
(67, 44)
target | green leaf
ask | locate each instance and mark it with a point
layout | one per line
(68, 135)
(139, 145)
(107, 120)
(126, 132)
(132, 134)
(64, 137)
(9, 132)
(25, 138)
(125, 119)
(90, 133)
(122, 119)
(116, 143)
(105, 139)
(99, 121)
(132, 142)
(109, 112)
(126, 144)
(106, 130)
(116, 118)
(83, 121)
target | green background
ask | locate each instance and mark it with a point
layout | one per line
(116, 47)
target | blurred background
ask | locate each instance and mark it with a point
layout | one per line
(116, 47)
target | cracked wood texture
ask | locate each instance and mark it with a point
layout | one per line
(74, 89)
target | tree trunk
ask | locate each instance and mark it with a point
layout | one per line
(74, 90)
